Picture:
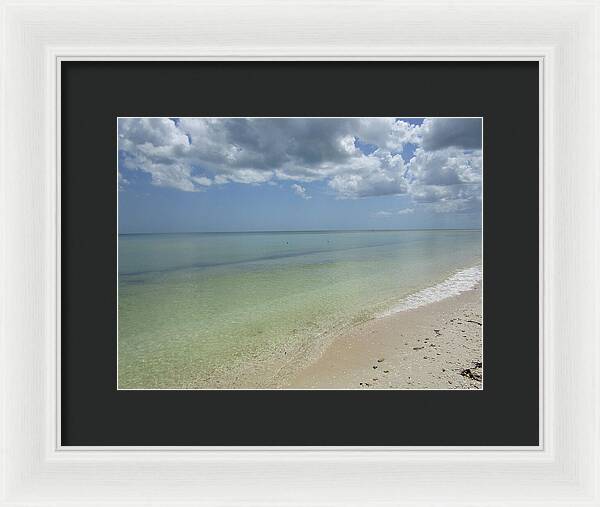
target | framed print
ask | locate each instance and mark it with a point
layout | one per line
(266, 259)
(299, 255)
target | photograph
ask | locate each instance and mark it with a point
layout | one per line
(303, 253)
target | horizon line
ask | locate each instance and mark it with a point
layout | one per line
(300, 230)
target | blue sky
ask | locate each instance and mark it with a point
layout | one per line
(243, 174)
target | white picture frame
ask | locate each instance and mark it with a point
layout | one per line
(563, 36)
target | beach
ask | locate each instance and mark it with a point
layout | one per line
(436, 346)
(299, 309)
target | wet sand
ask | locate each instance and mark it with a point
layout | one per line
(437, 346)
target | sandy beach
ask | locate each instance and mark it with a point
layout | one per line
(436, 346)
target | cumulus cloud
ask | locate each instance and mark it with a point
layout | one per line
(446, 167)
(203, 151)
(380, 173)
(299, 190)
(191, 154)
(446, 180)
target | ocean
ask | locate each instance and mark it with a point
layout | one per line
(243, 310)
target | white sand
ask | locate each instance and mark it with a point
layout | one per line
(422, 348)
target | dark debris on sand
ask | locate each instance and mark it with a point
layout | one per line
(474, 373)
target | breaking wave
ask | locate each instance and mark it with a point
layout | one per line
(460, 281)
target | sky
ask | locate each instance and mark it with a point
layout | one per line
(284, 174)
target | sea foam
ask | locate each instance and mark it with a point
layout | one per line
(460, 281)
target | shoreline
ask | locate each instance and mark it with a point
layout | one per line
(434, 346)
(431, 339)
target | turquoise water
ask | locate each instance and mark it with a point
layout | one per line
(210, 310)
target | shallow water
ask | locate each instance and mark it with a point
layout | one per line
(241, 309)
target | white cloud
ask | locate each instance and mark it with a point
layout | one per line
(201, 180)
(387, 133)
(191, 154)
(446, 180)
(379, 173)
(122, 182)
(460, 205)
(300, 191)
(445, 167)
(385, 213)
